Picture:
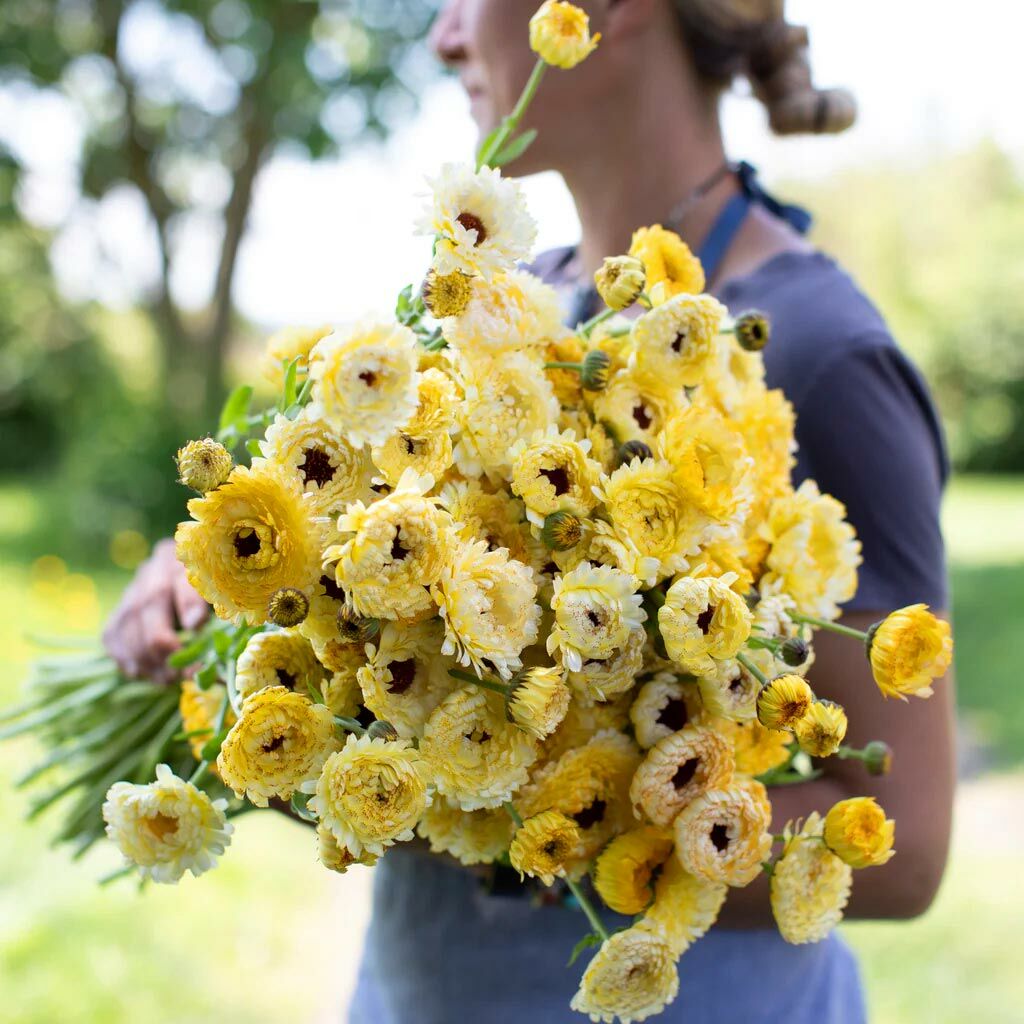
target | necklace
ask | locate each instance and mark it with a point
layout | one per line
(688, 202)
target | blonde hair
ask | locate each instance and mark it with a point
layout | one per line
(752, 39)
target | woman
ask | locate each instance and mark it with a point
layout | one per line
(635, 132)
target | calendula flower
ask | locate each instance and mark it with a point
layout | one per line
(755, 749)
(606, 678)
(635, 407)
(596, 608)
(199, 710)
(810, 885)
(678, 340)
(624, 872)
(731, 694)
(398, 546)
(370, 794)
(479, 221)
(858, 832)
(685, 906)
(560, 34)
(620, 280)
(822, 729)
(582, 722)
(543, 844)
(446, 294)
(437, 396)
(677, 769)
(287, 607)
(278, 659)
(364, 380)
(814, 551)
(494, 517)
(633, 977)
(552, 473)
(471, 837)
(909, 649)
(332, 471)
(476, 757)
(668, 261)
(784, 701)
(566, 346)
(341, 690)
(405, 677)
(249, 538)
(488, 603)
(538, 701)
(280, 741)
(320, 626)
(204, 464)
(663, 706)
(724, 835)
(767, 423)
(703, 621)
(339, 858)
(429, 455)
(505, 400)
(166, 827)
(287, 345)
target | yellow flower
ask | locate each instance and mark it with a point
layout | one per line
(488, 603)
(703, 621)
(909, 649)
(204, 464)
(332, 471)
(663, 706)
(731, 694)
(677, 769)
(632, 977)
(398, 546)
(495, 518)
(668, 261)
(339, 858)
(767, 423)
(678, 341)
(289, 344)
(756, 749)
(858, 832)
(476, 757)
(552, 473)
(814, 552)
(471, 837)
(596, 608)
(810, 885)
(479, 221)
(625, 870)
(278, 659)
(365, 380)
(199, 710)
(784, 701)
(428, 455)
(619, 281)
(603, 679)
(405, 677)
(538, 701)
(280, 741)
(446, 294)
(582, 722)
(437, 396)
(822, 729)
(341, 692)
(560, 34)
(724, 835)
(166, 827)
(634, 407)
(685, 906)
(370, 794)
(542, 845)
(566, 346)
(249, 538)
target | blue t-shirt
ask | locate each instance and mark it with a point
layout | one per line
(442, 949)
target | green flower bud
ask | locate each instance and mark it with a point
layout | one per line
(594, 372)
(382, 731)
(288, 607)
(354, 629)
(634, 450)
(878, 758)
(753, 330)
(561, 531)
(795, 651)
(204, 464)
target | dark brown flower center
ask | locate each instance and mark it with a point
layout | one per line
(674, 715)
(558, 478)
(398, 551)
(368, 377)
(403, 673)
(275, 744)
(680, 341)
(720, 837)
(247, 542)
(685, 773)
(285, 678)
(642, 416)
(591, 815)
(471, 222)
(317, 467)
(704, 619)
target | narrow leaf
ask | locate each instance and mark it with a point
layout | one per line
(514, 148)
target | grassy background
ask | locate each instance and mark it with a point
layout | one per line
(271, 937)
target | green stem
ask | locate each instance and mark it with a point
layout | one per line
(586, 328)
(645, 300)
(578, 367)
(657, 598)
(350, 724)
(833, 627)
(852, 753)
(751, 668)
(200, 773)
(513, 813)
(487, 684)
(510, 123)
(588, 908)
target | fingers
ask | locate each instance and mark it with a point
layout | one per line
(191, 609)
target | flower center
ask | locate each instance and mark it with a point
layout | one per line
(247, 542)
(403, 673)
(591, 815)
(558, 478)
(285, 678)
(685, 773)
(674, 715)
(317, 467)
(720, 837)
(642, 416)
(331, 588)
(704, 619)
(368, 377)
(162, 826)
(471, 222)
(398, 551)
(680, 341)
(273, 745)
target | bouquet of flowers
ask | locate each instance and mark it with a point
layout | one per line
(538, 595)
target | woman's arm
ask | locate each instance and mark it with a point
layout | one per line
(918, 792)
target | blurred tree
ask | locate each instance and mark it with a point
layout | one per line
(184, 101)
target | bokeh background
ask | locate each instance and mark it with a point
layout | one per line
(180, 177)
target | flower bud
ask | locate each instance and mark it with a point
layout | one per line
(753, 330)
(620, 281)
(594, 374)
(795, 651)
(878, 758)
(354, 629)
(560, 34)
(382, 731)
(561, 531)
(446, 294)
(634, 450)
(288, 607)
(204, 464)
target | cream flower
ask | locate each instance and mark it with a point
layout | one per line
(429, 455)
(685, 906)
(471, 837)
(288, 344)
(278, 658)
(365, 380)
(603, 679)
(664, 705)
(624, 872)
(552, 473)
(560, 34)
(636, 407)
(543, 844)
(495, 517)
(339, 858)
(538, 700)
(677, 342)
(167, 827)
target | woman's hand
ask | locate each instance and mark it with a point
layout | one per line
(141, 633)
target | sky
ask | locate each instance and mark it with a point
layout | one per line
(930, 77)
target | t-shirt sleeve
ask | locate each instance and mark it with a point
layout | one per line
(869, 435)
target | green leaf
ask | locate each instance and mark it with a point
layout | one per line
(207, 676)
(290, 377)
(252, 446)
(588, 940)
(514, 148)
(485, 146)
(298, 802)
(236, 409)
(403, 305)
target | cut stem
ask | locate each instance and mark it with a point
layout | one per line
(833, 627)
(350, 724)
(510, 123)
(586, 328)
(487, 684)
(751, 668)
(588, 908)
